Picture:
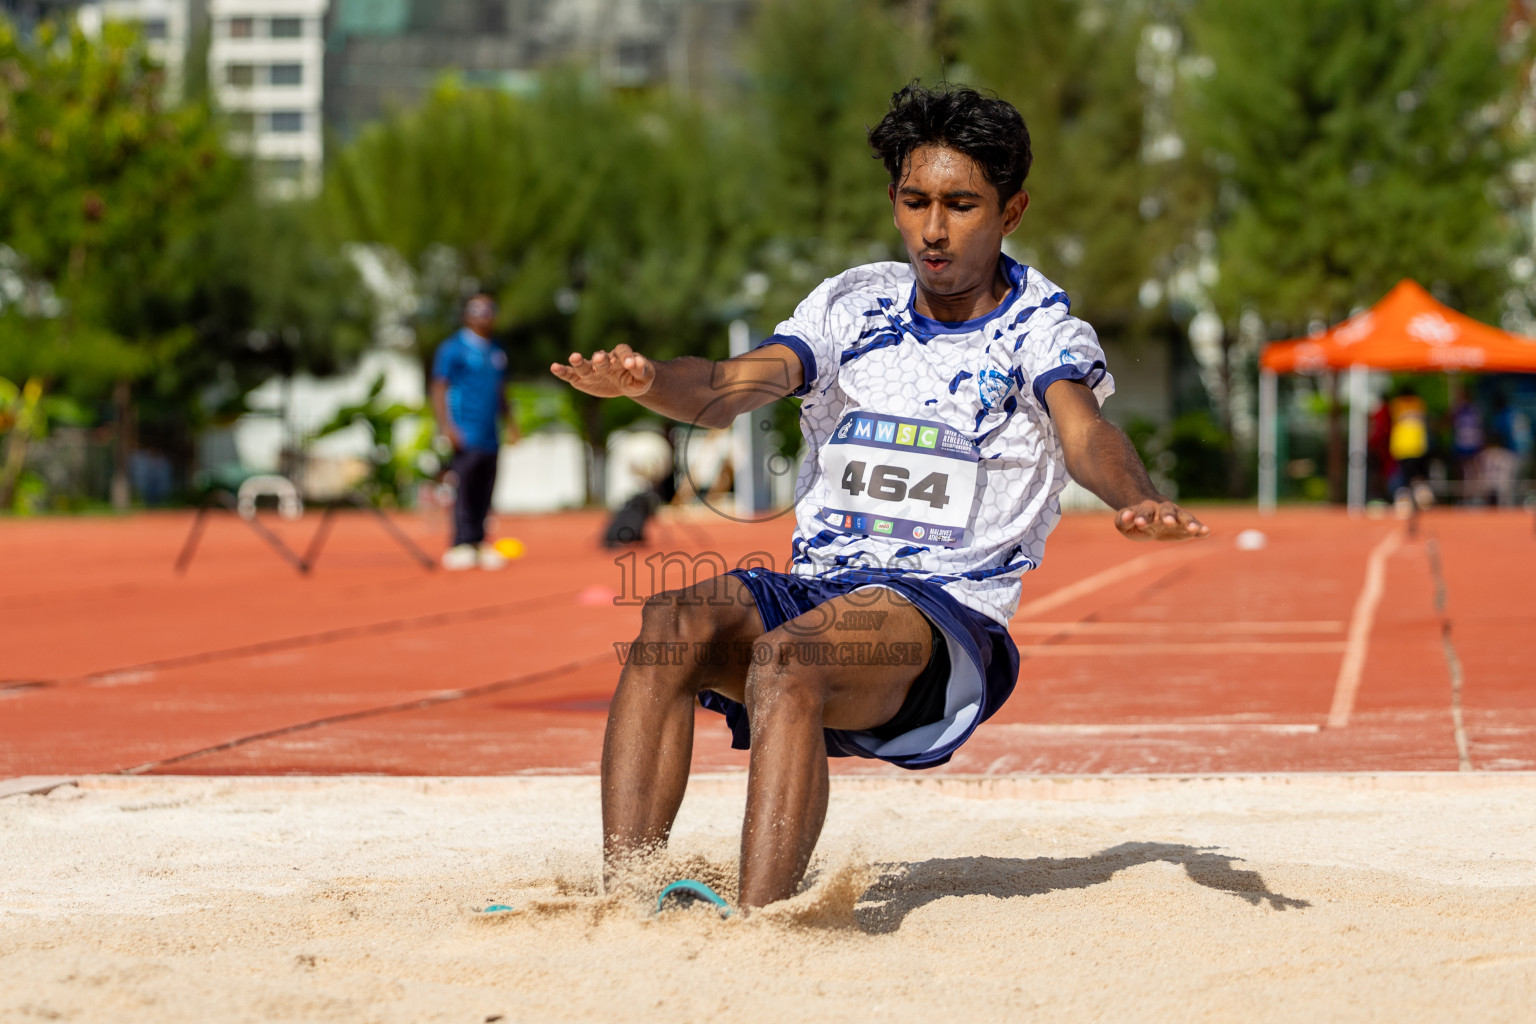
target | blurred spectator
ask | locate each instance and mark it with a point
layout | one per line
(151, 475)
(1498, 468)
(1467, 440)
(1409, 445)
(1511, 428)
(469, 398)
(1378, 445)
(650, 465)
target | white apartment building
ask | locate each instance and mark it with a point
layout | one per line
(266, 65)
(166, 25)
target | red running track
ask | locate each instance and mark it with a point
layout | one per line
(1137, 658)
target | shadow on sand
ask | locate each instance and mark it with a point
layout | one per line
(904, 888)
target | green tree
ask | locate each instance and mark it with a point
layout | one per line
(275, 296)
(1352, 143)
(595, 217)
(103, 189)
(822, 74)
(25, 413)
(1355, 143)
(1109, 201)
(143, 264)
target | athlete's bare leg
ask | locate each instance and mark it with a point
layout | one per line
(790, 691)
(789, 702)
(649, 739)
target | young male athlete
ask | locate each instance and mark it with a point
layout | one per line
(945, 400)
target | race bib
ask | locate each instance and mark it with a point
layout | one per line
(906, 479)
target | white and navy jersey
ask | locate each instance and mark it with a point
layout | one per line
(930, 447)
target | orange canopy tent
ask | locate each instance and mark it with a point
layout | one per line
(1409, 330)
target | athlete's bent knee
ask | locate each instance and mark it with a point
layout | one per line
(678, 616)
(781, 681)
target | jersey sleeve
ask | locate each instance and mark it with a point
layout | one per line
(809, 333)
(1064, 348)
(443, 361)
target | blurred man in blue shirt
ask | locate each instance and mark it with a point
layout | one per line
(469, 399)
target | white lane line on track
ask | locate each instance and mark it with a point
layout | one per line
(1452, 659)
(1347, 687)
(1213, 647)
(1173, 628)
(1108, 577)
(1124, 728)
(444, 697)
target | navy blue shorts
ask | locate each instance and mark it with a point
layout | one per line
(984, 663)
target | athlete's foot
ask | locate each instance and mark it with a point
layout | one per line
(460, 557)
(634, 871)
(490, 558)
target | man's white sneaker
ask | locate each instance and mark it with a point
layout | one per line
(491, 559)
(460, 557)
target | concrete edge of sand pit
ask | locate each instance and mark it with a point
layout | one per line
(34, 785)
(976, 787)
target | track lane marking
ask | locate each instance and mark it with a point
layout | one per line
(1118, 728)
(1107, 577)
(1209, 647)
(1166, 628)
(445, 697)
(142, 671)
(1452, 659)
(1347, 687)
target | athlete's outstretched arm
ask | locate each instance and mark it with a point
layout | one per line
(1101, 458)
(689, 389)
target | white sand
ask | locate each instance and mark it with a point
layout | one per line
(1282, 898)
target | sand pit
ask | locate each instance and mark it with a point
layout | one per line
(1281, 898)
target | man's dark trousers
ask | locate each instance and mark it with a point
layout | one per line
(476, 471)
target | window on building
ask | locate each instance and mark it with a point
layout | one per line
(242, 28)
(287, 121)
(287, 74)
(287, 28)
(242, 122)
(240, 76)
(156, 28)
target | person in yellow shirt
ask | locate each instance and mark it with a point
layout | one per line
(1409, 445)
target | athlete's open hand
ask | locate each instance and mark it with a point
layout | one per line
(608, 374)
(1159, 520)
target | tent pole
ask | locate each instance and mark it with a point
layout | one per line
(743, 450)
(1268, 439)
(1359, 398)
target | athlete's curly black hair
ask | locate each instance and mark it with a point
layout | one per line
(986, 129)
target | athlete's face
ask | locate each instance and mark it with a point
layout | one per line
(951, 223)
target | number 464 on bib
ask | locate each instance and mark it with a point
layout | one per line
(889, 483)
